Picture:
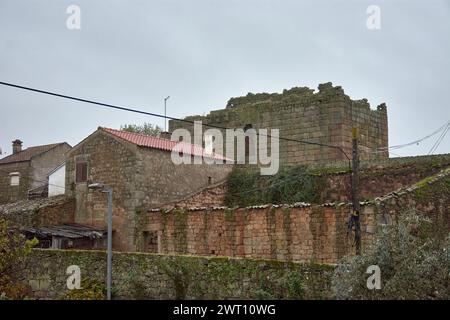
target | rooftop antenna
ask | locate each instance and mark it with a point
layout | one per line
(165, 113)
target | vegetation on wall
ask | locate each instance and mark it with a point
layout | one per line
(414, 259)
(220, 278)
(291, 184)
(153, 276)
(90, 290)
(13, 252)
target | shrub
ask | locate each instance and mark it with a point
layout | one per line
(13, 251)
(291, 184)
(413, 256)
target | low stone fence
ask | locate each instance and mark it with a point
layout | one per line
(153, 276)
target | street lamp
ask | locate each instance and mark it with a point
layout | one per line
(165, 113)
(109, 192)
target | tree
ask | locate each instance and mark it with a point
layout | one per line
(413, 257)
(146, 128)
(14, 249)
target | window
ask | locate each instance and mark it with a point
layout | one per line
(15, 178)
(247, 141)
(81, 172)
(150, 241)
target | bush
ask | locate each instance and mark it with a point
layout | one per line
(291, 184)
(13, 251)
(413, 256)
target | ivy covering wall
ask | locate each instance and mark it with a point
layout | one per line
(291, 184)
(152, 276)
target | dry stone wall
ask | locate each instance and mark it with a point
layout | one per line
(151, 276)
(299, 232)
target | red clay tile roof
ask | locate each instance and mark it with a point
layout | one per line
(143, 140)
(28, 153)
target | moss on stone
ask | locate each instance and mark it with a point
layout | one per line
(156, 276)
(180, 230)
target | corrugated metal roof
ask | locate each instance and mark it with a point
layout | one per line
(71, 231)
(28, 153)
(147, 141)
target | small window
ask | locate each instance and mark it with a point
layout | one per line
(247, 140)
(150, 241)
(15, 178)
(81, 172)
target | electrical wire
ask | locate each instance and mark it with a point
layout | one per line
(158, 115)
(444, 129)
(439, 140)
(45, 182)
(416, 141)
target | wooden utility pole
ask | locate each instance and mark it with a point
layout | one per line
(355, 190)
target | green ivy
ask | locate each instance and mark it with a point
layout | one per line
(90, 290)
(291, 184)
(181, 229)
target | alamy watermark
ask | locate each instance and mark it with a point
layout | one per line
(238, 146)
(73, 21)
(374, 280)
(373, 21)
(74, 279)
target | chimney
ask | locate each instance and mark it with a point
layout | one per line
(165, 135)
(16, 146)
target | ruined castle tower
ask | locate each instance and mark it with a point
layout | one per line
(326, 116)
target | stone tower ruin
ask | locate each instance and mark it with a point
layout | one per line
(326, 116)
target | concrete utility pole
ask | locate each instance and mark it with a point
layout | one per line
(355, 191)
(109, 258)
(109, 192)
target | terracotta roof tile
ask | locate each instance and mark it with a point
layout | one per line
(143, 140)
(28, 153)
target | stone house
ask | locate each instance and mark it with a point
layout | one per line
(140, 170)
(24, 172)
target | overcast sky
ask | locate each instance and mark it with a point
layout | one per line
(202, 52)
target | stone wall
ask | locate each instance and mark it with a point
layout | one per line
(326, 117)
(44, 163)
(211, 196)
(166, 182)
(10, 193)
(150, 276)
(377, 181)
(299, 232)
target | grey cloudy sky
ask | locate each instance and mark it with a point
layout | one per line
(202, 52)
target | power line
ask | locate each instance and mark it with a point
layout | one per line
(416, 141)
(439, 140)
(445, 127)
(35, 180)
(159, 115)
